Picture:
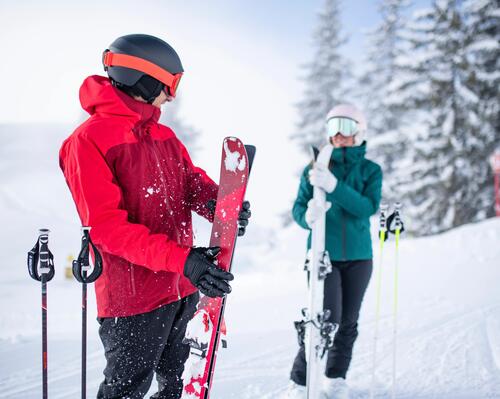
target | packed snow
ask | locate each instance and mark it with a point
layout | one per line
(449, 305)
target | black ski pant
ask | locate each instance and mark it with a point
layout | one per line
(138, 346)
(344, 291)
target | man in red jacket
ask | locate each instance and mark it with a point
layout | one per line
(133, 182)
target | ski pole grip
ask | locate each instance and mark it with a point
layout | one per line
(384, 207)
(44, 253)
(40, 259)
(85, 237)
(398, 223)
(82, 265)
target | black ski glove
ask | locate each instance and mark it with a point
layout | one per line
(211, 206)
(204, 274)
(243, 216)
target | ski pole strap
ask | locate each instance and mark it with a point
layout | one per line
(40, 254)
(81, 265)
(395, 223)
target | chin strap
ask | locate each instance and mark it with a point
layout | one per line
(148, 95)
(140, 90)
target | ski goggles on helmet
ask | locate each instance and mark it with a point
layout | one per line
(345, 126)
(171, 81)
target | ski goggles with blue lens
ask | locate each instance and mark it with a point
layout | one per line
(345, 126)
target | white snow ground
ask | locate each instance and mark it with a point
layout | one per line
(449, 308)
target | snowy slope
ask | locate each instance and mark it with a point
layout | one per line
(449, 315)
(449, 319)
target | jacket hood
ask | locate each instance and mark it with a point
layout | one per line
(99, 96)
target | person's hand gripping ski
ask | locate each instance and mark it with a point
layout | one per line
(320, 176)
(200, 268)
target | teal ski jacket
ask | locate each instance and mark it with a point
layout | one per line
(355, 198)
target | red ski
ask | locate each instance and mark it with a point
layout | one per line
(205, 329)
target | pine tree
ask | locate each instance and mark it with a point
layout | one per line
(187, 134)
(483, 53)
(441, 180)
(326, 78)
(381, 103)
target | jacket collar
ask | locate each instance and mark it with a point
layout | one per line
(99, 96)
(349, 154)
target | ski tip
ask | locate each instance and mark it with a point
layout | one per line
(314, 152)
(323, 155)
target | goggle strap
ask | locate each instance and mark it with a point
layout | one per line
(129, 61)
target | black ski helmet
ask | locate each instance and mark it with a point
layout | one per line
(143, 65)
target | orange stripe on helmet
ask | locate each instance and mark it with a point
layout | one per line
(110, 59)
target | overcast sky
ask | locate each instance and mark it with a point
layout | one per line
(49, 47)
(242, 63)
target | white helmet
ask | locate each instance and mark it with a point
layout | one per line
(351, 112)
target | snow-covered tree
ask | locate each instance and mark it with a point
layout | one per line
(483, 54)
(185, 132)
(381, 102)
(443, 179)
(326, 77)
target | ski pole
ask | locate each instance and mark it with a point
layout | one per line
(81, 266)
(396, 230)
(382, 237)
(41, 255)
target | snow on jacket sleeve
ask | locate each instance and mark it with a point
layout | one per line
(361, 205)
(98, 201)
(303, 196)
(201, 188)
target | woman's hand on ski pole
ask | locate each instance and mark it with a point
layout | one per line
(201, 270)
(320, 176)
(315, 210)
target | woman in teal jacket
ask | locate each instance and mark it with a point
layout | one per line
(353, 185)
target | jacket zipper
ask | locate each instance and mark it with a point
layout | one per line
(344, 252)
(164, 184)
(132, 279)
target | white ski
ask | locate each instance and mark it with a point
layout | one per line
(318, 332)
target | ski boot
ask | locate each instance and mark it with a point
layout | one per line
(334, 388)
(295, 391)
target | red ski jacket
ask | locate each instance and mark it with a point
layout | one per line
(133, 182)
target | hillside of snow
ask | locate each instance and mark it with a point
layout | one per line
(449, 302)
